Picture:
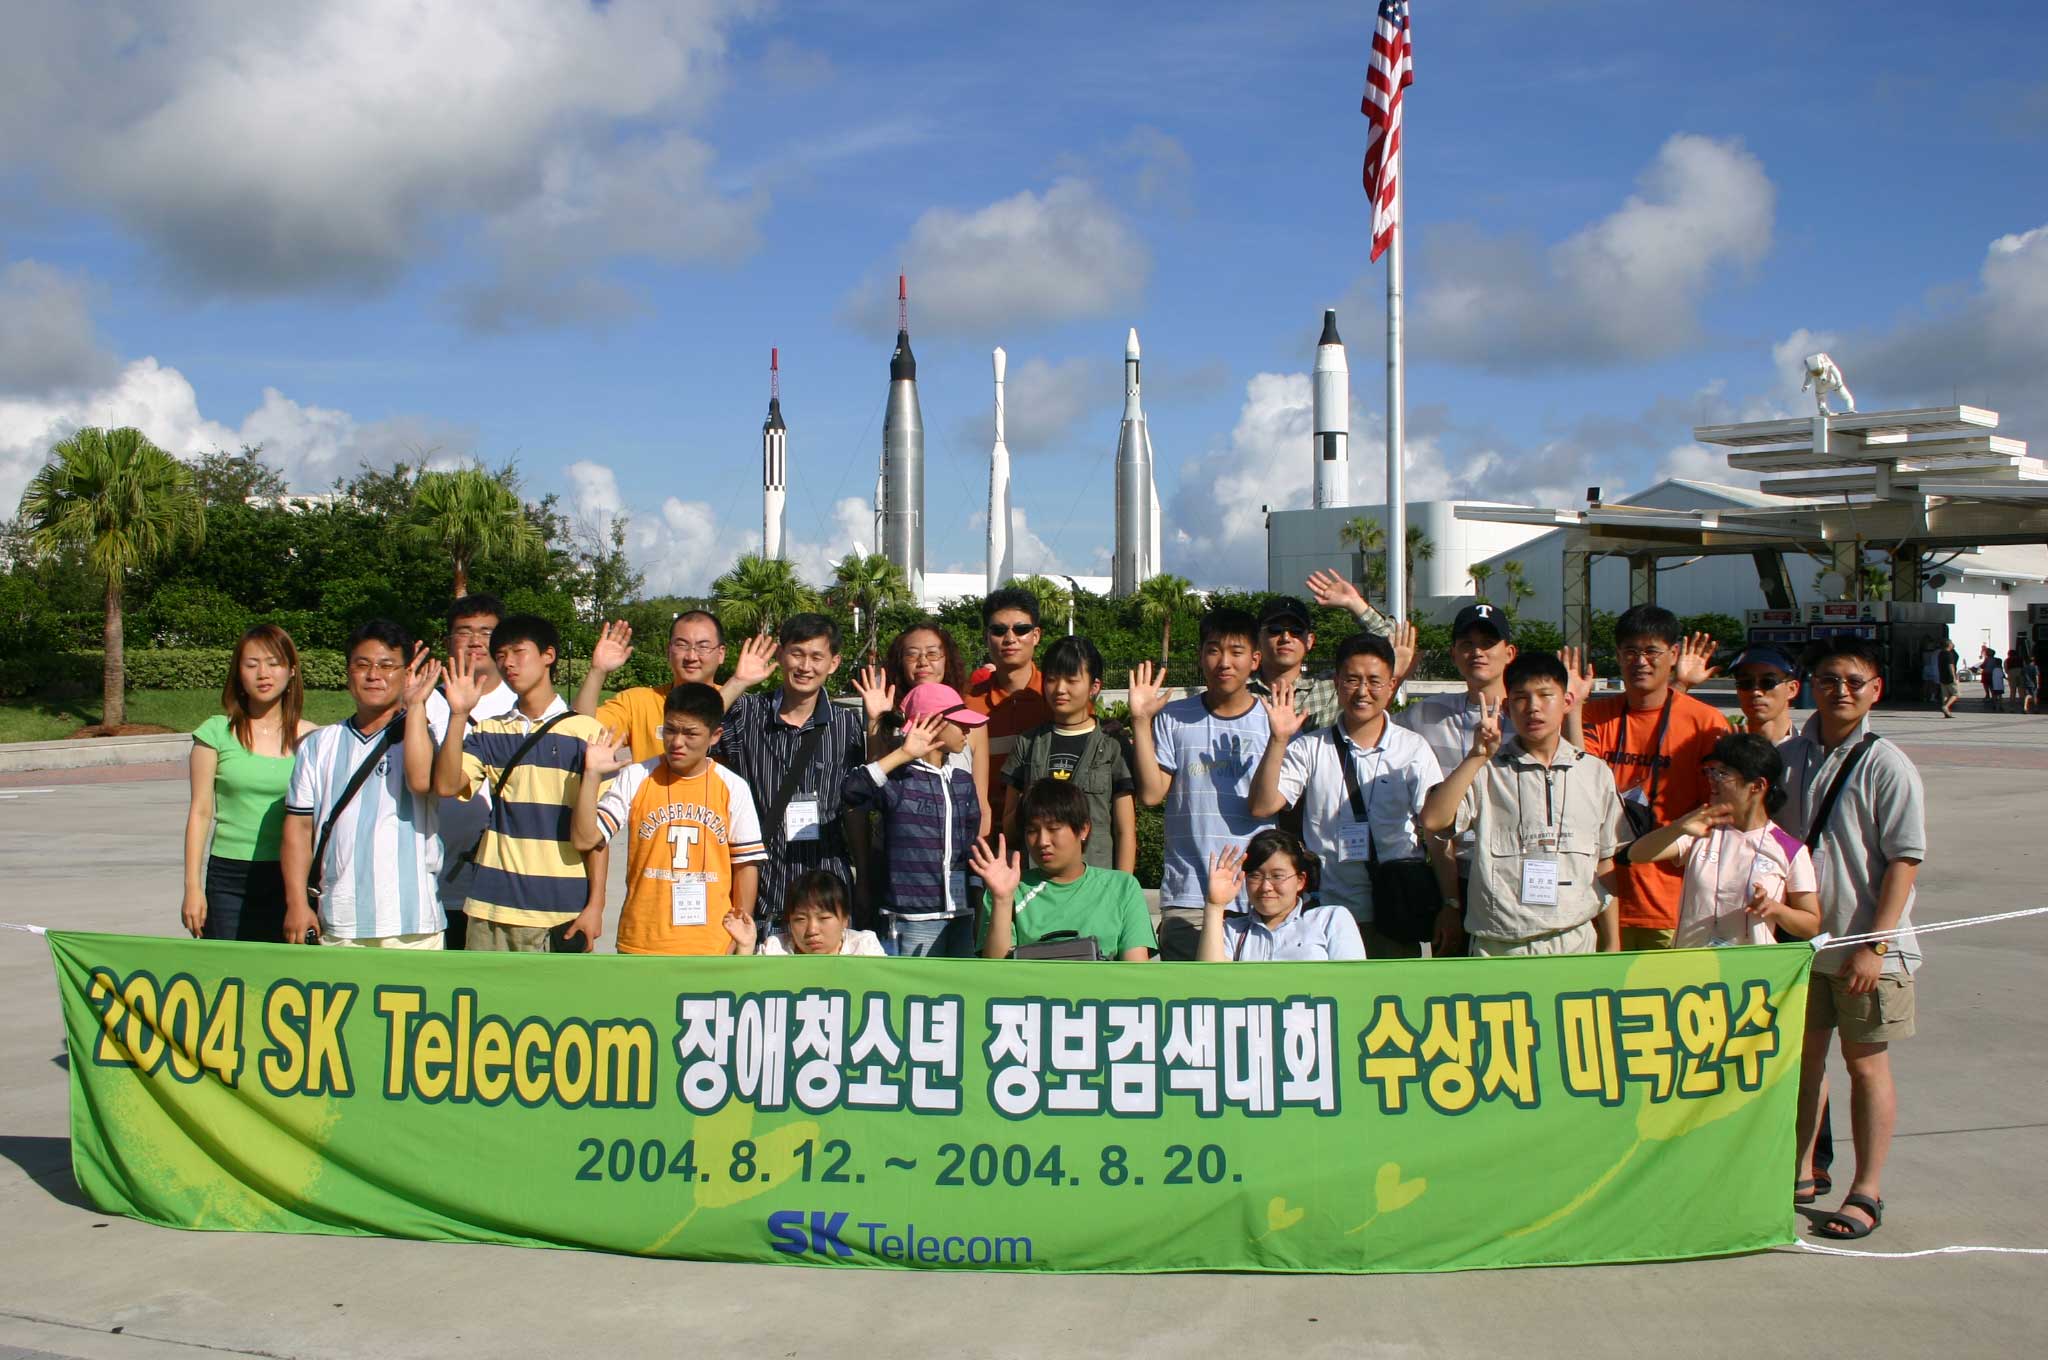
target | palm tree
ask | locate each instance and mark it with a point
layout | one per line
(1420, 550)
(866, 585)
(473, 515)
(758, 593)
(1366, 537)
(1481, 573)
(1518, 588)
(124, 503)
(1054, 601)
(1159, 599)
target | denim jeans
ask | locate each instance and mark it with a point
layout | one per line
(244, 900)
(950, 938)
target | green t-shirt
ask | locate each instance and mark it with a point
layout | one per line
(248, 795)
(1102, 902)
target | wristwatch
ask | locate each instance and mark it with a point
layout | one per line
(1881, 947)
(1453, 904)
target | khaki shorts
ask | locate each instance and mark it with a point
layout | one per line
(432, 939)
(495, 937)
(1876, 1017)
(1637, 938)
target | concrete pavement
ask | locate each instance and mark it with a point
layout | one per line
(1966, 1168)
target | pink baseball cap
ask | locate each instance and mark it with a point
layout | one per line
(934, 700)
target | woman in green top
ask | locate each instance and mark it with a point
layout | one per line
(1062, 894)
(241, 763)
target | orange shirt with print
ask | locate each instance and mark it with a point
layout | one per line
(695, 830)
(1011, 713)
(1650, 893)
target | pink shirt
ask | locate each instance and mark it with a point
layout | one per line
(1722, 869)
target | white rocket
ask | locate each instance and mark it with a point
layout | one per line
(1136, 558)
(1332, 418)
(774, 465)
(1001, 567)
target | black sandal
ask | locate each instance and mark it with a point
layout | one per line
(1808, 1192)
(1850, 1229)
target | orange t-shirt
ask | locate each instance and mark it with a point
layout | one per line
(1011, 713)
(686, 836)
(1650, 892)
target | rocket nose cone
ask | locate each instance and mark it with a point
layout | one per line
(902, 364)
(1002, 361)
(1131, 345)
(1330, 336)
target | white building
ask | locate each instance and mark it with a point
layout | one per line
(1299, 542)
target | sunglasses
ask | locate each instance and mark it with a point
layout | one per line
(996, 630)
(1763, 683)
(1285, 630)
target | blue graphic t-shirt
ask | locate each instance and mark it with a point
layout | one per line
(1211, 760)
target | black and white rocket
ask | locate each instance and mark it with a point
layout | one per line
(1136, 558)
(1332, 418)
(1001, 565)
(900, 492)
(774, 466)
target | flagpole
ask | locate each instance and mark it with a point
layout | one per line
(1397, 422)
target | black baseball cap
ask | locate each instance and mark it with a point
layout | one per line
(1285, 609)
(1483, 615)
(1763, 654)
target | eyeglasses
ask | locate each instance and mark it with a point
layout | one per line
(1842, 684)
(1762, 683)
(1277, 879)
(697, 648)
(928, 654)
(1716, 775)
(470, 634)
(1378, 684)
(364, 666)
(996, 630)
(1644, 653)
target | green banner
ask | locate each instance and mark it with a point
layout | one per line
(1386, 1116)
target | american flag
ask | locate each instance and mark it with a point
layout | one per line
(1392, 70)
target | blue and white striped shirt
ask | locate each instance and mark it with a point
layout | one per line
(378, 875)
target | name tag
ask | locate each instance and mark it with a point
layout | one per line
(1539, 882)
(688, 901)
(800, 821)
(1354, 841)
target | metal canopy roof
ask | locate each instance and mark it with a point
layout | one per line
(1920, 420)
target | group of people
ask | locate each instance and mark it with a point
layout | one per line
(466, 804)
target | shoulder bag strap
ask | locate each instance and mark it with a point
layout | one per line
(525, 750)
(356, 780)
(793, 777)
(1656, 744)
(1819, 825)
(1360, 807)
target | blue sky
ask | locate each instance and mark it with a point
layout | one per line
(569, 234)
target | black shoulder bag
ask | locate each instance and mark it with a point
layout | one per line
(1828, 800)
(1642, 817)
(558, 936)
(1405, 894)
(392, 730)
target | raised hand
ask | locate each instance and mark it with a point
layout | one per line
(606, 754)
(1148, 691)
(1226, 875)
(614, 646)
(1000, 869)
(877, 695)
(1695, 661)
(420, 676)
(461, 686)
(921, 738)
(1705, 818)
(740, 926)
(1580, 671)
(1334, 592)
(1406, 654)
(1280, 713)
(1486, 735)
(756, 660)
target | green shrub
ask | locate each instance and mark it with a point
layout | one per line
(1151, 845)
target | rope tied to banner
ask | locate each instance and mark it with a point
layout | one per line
(1824, 941)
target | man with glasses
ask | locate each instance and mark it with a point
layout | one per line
(696, 649)
(471, 621)
(1655, 738)
(1859, 803)
(1013, 693)
(1348, 820)
(1766, 687)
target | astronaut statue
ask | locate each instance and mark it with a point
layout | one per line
(1824, 377)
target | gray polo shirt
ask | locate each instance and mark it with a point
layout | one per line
(1446, 722)
(1882, 816)
(1513, 803)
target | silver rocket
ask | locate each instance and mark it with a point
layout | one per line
(1332, 418)
(1001, 567)
(774, 465)
(1136, 559)
(901, 499)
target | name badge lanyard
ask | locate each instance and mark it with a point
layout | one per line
(1361, 804)
(1540, 877)
(1714, 862)
(689, 891)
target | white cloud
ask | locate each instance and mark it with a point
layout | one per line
(1216, 528)
(47, 337)
(333, 143)
(1028, 259)
(679, 548)
(817, 549)
(1625, 288)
